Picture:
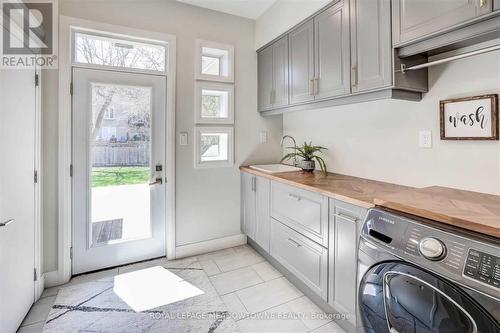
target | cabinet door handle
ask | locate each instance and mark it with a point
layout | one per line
(311, 87)
(254, 184)
(294, 242)
(294, 197)
(347, 217)
(316, 86)
(354, 74)
(6, 223)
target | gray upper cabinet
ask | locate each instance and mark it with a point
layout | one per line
(496, 5)
(265, 74)
(273, 75)
(331, 34)
(302, 63)
(413, 19)
(371, 58)
(280, 71)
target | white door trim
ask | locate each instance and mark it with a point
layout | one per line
(40, 279)
(64, 123)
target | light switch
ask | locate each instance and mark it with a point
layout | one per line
(183, 138)
(425, 139)
(263, 137)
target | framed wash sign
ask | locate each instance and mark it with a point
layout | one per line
(470, 118)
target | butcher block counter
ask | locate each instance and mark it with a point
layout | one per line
(468, 210)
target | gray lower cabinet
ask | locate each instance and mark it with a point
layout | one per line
(345, 223)
(301, 63)
(332, 63)
(248, 204)
(273, 75)
(255, 208)
(371, 57)
(415, 19)
(304, 258)
(262, 216)
(304, 211)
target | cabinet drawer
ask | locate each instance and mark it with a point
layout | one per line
(304, 258)
(303, 211)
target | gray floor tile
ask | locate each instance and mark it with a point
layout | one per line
(39, 311)
(210, 267)
(266, 271)
(311, 315)
(268, 294)
(33, 328)
(238, 279)
(331, 327)
(276, 320)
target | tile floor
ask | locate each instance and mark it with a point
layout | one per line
(258, 297)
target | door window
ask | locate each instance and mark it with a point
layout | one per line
(120, 163)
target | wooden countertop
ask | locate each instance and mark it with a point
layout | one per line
(474, 211)
(358, 191)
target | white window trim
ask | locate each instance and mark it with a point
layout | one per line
(199, 86)
(230, 147)
(63, 272)
(204, 43)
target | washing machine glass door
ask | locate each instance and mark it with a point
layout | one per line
(398, 297)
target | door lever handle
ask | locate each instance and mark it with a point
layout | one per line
(158, 181)
(6, 223)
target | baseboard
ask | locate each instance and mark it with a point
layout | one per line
(52, 279)
(209, 246)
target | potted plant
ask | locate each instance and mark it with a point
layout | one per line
(309, 156)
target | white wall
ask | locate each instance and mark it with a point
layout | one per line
(283, 15)
(207, 200)
(379, 140)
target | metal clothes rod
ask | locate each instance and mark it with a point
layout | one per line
(445, 60)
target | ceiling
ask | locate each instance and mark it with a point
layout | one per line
(251, 9)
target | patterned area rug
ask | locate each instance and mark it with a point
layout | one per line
(175, 298)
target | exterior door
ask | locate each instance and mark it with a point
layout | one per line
(17, 195)
(118, 168)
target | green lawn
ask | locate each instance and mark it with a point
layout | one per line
(119, 176)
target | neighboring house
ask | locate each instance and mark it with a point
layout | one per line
(119, 126)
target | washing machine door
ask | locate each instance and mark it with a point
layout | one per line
(399, 297)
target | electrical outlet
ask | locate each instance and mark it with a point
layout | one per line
(263, 137)
(425, 139)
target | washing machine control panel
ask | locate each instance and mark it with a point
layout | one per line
(483, 267)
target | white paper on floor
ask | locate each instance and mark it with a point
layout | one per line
(152, 287)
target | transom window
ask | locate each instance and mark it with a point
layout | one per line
(95, 49)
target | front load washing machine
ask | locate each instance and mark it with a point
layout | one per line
(420, 276)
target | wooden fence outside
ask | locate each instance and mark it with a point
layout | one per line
(107, 154)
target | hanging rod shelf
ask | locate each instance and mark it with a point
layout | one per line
(405, 69)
